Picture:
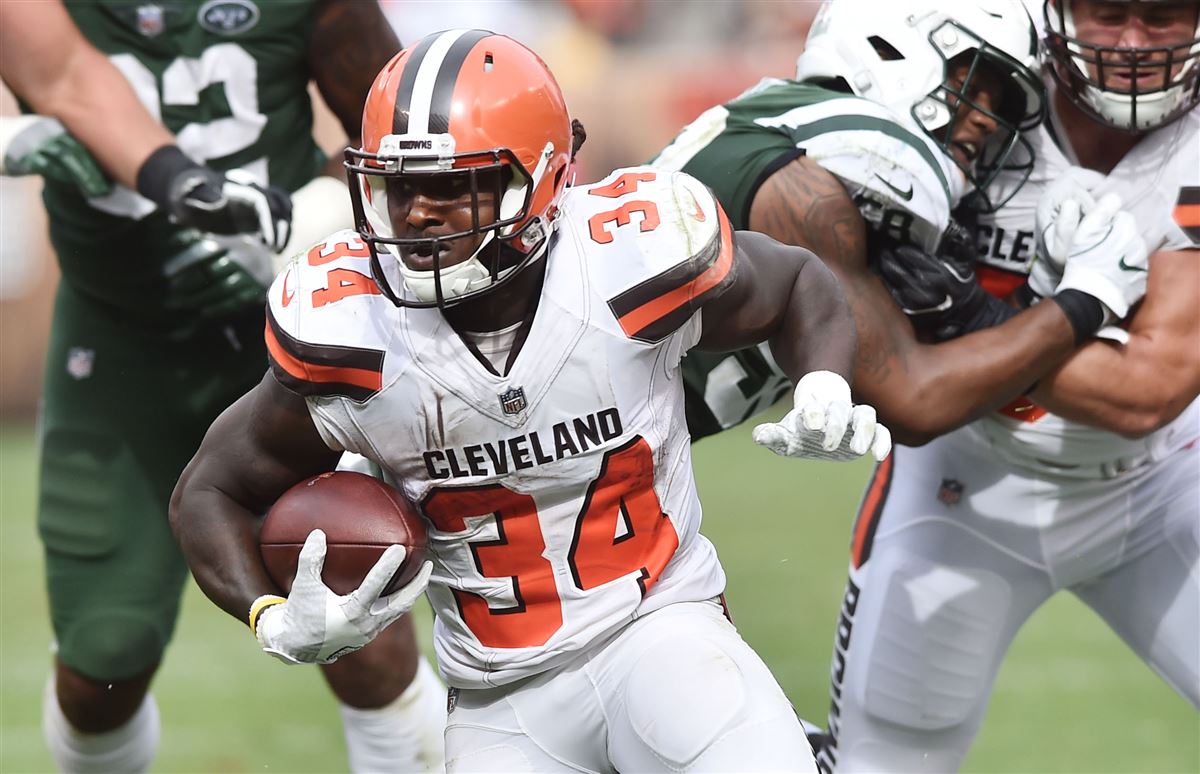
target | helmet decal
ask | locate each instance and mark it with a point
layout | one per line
(426, 90)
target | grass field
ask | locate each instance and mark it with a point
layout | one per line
(1070, 698)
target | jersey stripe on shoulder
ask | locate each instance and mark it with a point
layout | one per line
(1187, 212)
(651, 310)
(870, 123)
(322, 370)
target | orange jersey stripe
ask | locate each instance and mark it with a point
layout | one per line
(1023, 409)
(309, 372)
(998, 282)
(657, 308)
(1187, 215)
(868, 513)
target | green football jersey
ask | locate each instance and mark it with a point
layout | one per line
(903, 185)
(229, 78)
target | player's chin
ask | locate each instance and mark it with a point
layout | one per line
(424, 261)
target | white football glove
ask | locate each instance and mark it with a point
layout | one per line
(1059, 211)
(824, 425)
(319, 208)
(1107, 258)
(315, 625)
(40, 145)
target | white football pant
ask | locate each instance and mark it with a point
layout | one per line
(676, 690)
(953, 552)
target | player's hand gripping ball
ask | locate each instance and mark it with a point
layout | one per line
(361, 516)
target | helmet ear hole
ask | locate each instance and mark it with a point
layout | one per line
(887, 52)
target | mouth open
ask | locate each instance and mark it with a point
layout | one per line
(1145, 78)
(964, 151)
(419, 257)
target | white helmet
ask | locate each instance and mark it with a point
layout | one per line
(898, 53)
(1131, 110)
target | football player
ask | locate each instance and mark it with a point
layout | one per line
(1091, 483)
(507, 348)
(157, 327)
(900, 111)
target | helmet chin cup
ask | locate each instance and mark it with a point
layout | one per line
(458, 280)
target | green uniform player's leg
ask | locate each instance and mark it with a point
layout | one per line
(124, 411)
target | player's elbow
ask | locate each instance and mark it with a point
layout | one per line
(179, 506)
(1154, 414)
(913, 424)
(1160, 396)
(910, 432)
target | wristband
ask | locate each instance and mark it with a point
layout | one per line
(1084, 312)
(1026, 296)
(158, 170)
(259, 605)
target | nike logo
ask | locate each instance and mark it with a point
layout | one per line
(947, 302)
(287, 297)
(1126, 267)
(699, 213)
(905, 195)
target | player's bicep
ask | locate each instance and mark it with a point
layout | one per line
(748, 304)
(351, 42)
(261, 445)
(803, 204)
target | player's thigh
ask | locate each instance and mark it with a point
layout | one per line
(931, 606)
(115, 433)
(1153, 600)
(684, 692)
(550, 722)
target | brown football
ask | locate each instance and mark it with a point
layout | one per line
(360, 515)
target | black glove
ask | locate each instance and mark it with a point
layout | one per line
(939, 293)
(194, 195)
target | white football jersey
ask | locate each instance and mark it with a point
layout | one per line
(1159, 183)
(559, 496)
(902, 183)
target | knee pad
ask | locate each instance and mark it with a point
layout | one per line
(681, 695)
(112, 646)
(933, 636)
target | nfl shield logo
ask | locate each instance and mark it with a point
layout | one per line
(950, 491)
(80, 361)
(150, 20)
(513, 400)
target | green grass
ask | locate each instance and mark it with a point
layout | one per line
(1070, 697)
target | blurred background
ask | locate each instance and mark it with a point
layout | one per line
(1070, 697)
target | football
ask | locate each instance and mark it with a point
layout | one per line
(360, 515)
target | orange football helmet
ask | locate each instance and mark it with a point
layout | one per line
(463, 103)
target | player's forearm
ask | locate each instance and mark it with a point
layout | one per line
(48, 64)
(1138, 387)
(219, 543)
(107, 118)
(817, 331)
(1155, 384)
(947, 385)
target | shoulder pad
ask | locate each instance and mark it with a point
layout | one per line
(1159, 183)
(656, 242)
(900, 181)
(327, 322)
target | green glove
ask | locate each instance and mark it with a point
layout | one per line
(37, 145)
(204, 284)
